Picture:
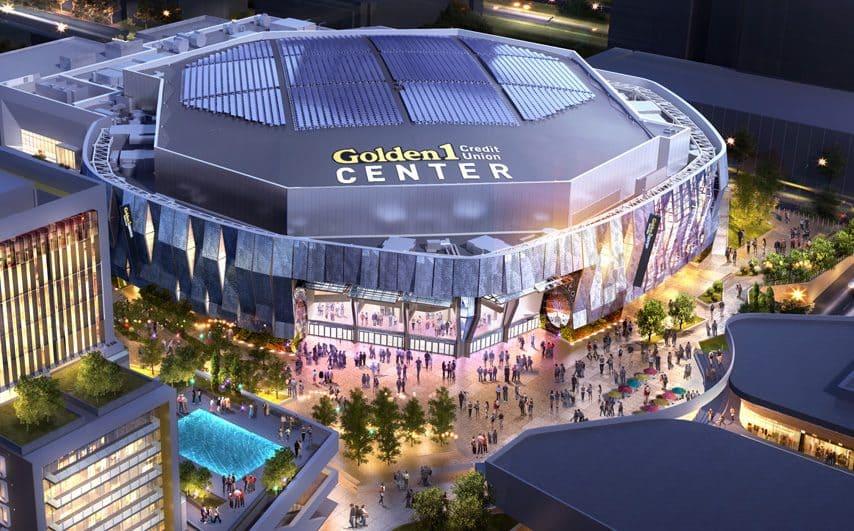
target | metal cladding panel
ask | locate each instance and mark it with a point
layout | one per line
(163, 265)
(370, 268)
(245, 249)
(262, 288)
(590, 254)
(231, 292)
(352, 265)
(526, 268)
(406, 273)
(455, 103)
(300, 266)
(241, 280)
(231, 304)
(434, 67)
(283, 257)
(550, 264)
(466, 278)
(139, 211)
(577, 252)
(316, 262)
(210, 277)
(565, 255)
(443, 278)
(491, 275)
(536, 255)
(596, 300)
(325, 69)
(180, 229)
(210, 246)
(334, 264)
(388, 271)
(283, 307)
(418, 44)
(198, 290)
(261, 260)
(512, 273)
(166, 226)
(487, 47)
(424, 276)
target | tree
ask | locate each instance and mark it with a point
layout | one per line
(39, 400)
(216, 369)
(279, 469)
(682, 309)
(825, 203)
(582, 9)
(441, 414)
(467, 514)
(742, 147)
(843, 241)
(354, 428)
(97, 376)
(770, 301)
(753, 198)
(151, 354)
(429, 507)
(831, 163)
(324, 411)
(650, 319)
(386, 418)
(194, 480)
(275, 375)
(823, 253)
(180, 366)
(413, 421)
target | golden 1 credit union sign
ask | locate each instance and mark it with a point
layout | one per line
(398, 164)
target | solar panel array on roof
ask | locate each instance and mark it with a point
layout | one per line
(441, 82)
(539, 85)
(241, 81)
(337, 82)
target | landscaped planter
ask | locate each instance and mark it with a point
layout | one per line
(816, 286)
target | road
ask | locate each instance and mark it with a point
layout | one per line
(838, 298)
(590, 32)
(46, 24)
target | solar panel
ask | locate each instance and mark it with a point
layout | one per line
(344, 105)
(511, 70)
(418, 44)
(434, 67)
(241, 81)
(488, 47)
(455, 103)
(322, 69)
(536, 103)
(325, 46)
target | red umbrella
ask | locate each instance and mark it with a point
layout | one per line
(651, 408)
(625, 389)
(650, 371)
(669, 395)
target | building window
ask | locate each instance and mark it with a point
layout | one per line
(2, 466)
(4, 491)
(5, 516)
(48, 149)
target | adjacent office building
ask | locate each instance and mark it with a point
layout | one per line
(97, 465)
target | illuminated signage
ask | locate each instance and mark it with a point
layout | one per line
(649, 235)
(127, 219)
(399, 164)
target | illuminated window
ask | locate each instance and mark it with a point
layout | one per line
(2, 466)
(4, 491)
(5, 516)
(220, 261)
(48, 148)
(149, 233)
(191, 247)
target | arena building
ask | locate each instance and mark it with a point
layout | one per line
(437, 190)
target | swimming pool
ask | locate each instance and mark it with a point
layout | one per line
(220, 446)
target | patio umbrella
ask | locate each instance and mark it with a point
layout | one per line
(661, 402)
(669, 395)
(625, 389)
(633, 382)
(650, 408)
(678, 390)
(650, 371)
(615, 394)
(641, 377)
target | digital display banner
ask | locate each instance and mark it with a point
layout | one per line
(652, 225)
(127, 219)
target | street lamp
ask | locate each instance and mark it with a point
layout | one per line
(730, 141)
(595, 6)
(61, 27)
(166, 13)
(822, 162)
(7, 8)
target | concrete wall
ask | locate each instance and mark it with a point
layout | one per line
(20, 110)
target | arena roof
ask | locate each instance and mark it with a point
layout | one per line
(796, 365)
(649, 474)
(279, 108)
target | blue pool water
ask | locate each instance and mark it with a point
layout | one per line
(220, 446)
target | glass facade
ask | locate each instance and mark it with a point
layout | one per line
(48, 148)
(50, 296)
(114, 482)
(830, 452)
